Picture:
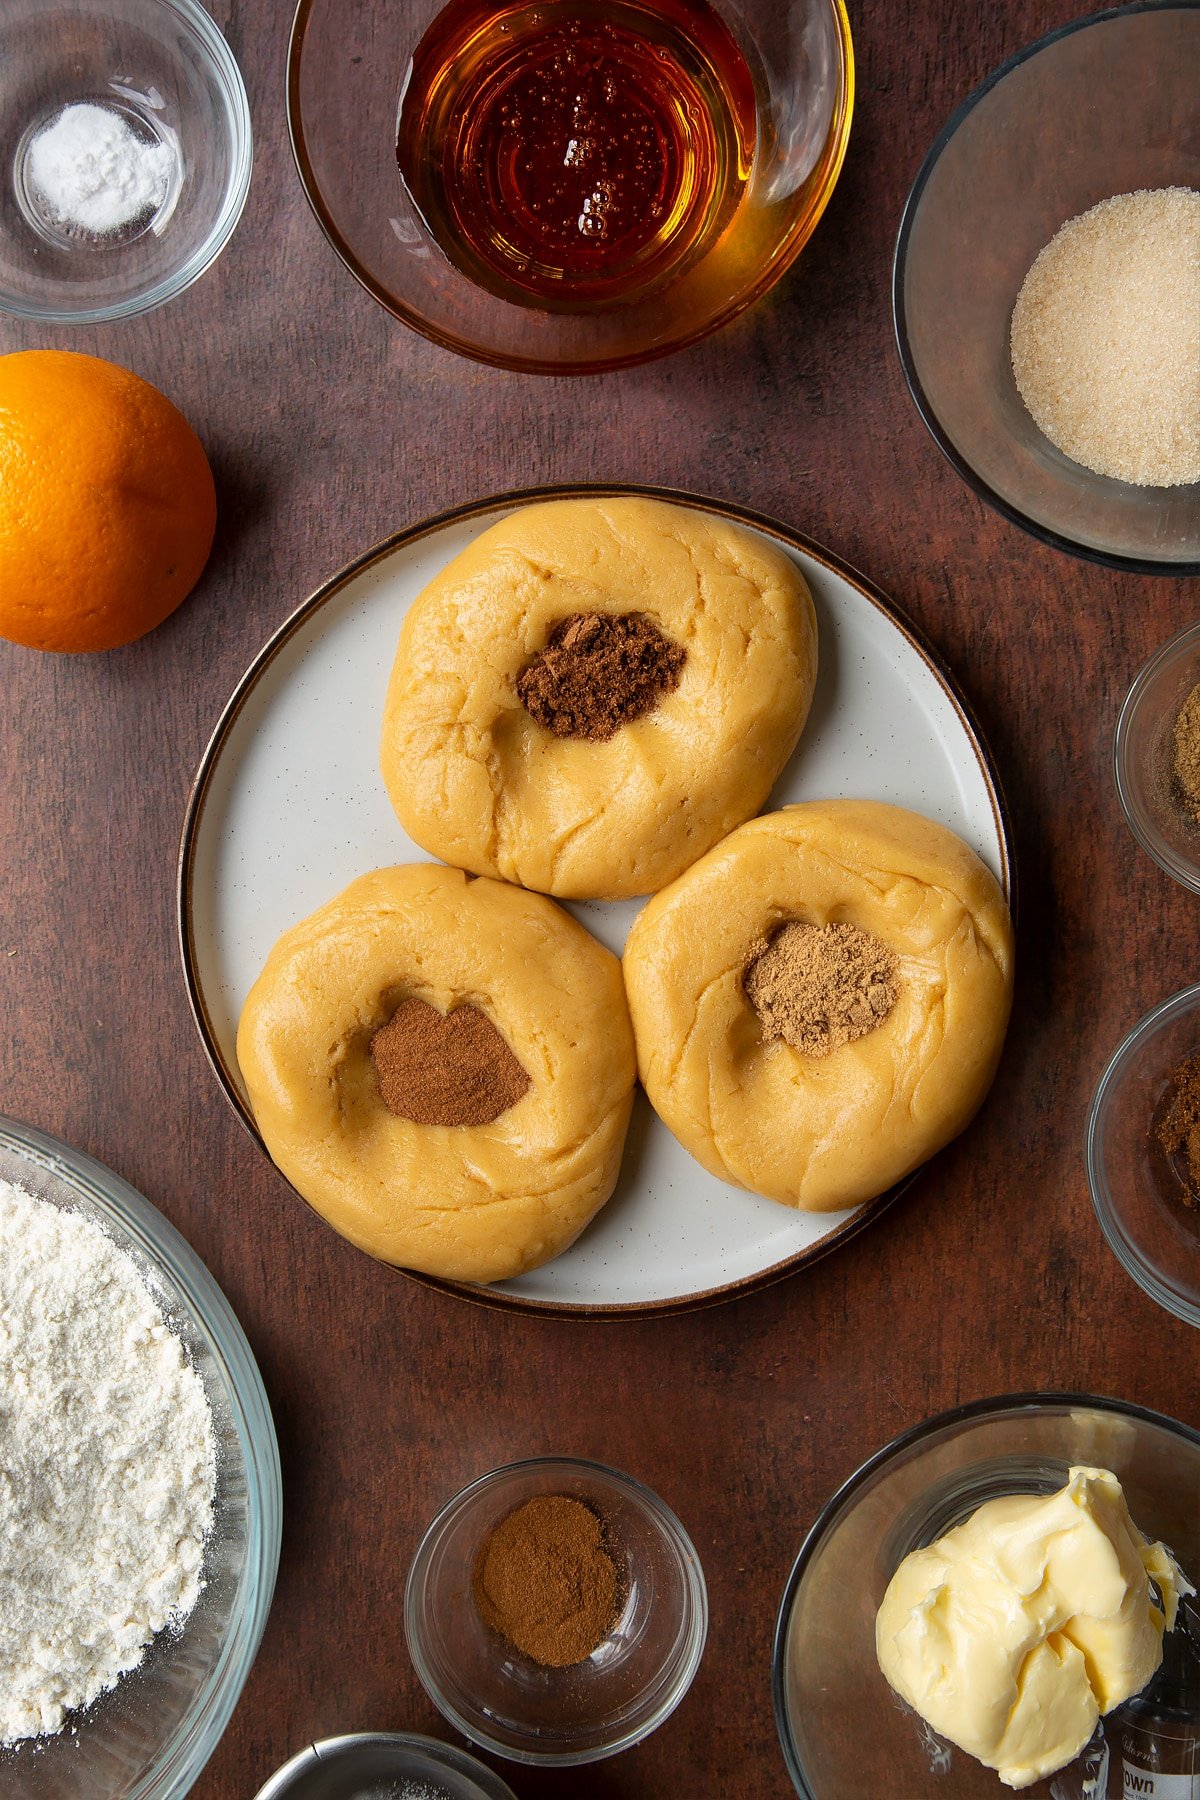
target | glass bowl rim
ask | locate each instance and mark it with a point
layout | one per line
(1127, 1251)
(1132, 565)
(326, 1750)
(1139, 822)
(769, 275)
(648, 1502)
(183, 1756)
(996, 1406)
(222, 63)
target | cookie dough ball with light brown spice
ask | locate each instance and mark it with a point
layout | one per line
(444, 1069)
(879, 950)
(595, 692)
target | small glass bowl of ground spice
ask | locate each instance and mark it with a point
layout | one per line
(1046, 293)
(1143, 1154)
(556, 1611)
(1156, 752)
(125, 155)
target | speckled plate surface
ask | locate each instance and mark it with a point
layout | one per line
(288, 806)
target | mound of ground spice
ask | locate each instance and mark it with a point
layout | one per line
(599, 671)
(820, 986)
(1185, 748)
(544, 1579)
(445, 1068)
(1179, 1127)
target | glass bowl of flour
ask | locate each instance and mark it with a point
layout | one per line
(125, 154)
(139, 1482)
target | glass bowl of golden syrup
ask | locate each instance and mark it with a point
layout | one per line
(569, 185)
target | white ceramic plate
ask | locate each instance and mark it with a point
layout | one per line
(288, 807)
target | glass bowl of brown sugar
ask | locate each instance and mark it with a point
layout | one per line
(1143, 1154)
(1156, 752)
(556, 1611)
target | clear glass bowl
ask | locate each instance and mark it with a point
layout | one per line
(1143, 754)
(632, 1681)
(1103, 106)
(341, 1769)
(844, 1733)
(166, 67)
(149, 1737)
(1135, 1191)
(346, 67)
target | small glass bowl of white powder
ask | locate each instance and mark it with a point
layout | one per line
(1047, 289)
(140, 1508)
(125, 154)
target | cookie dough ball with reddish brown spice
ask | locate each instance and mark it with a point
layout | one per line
(596, 691)
(444, 1069)
(820, 1002)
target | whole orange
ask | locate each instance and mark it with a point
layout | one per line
(107, 506)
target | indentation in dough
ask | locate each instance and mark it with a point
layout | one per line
(599, 671)
(820, 986)
(445, 1068)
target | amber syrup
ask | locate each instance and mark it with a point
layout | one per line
(572, 153)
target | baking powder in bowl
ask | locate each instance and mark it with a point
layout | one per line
(91, 170)
(107, 1466)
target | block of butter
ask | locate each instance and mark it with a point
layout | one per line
(1014, 1632)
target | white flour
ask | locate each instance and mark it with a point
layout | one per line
(106, 1466)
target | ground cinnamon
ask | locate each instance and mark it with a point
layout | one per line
(545, 1580)
(599, 671)
(820, 986)
(445, 1068)
(1179, 1127)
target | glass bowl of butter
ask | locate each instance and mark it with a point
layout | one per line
(1013, 1564)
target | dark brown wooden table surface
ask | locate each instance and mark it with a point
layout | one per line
(329, 425)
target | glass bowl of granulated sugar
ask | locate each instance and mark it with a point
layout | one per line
(1046, 289)
(125, 154)
(140, 1518)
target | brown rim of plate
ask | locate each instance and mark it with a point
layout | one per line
(486, 1296)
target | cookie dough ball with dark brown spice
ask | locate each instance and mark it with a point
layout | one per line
(595, 692)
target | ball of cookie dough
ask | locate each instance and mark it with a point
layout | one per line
(820, 1002)
(595, 692)
(444, 1069)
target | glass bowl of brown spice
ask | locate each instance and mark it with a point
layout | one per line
(556, 1611)
(1143, 1154)
(1156, 751)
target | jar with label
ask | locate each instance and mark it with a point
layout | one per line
(1156, 1735)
